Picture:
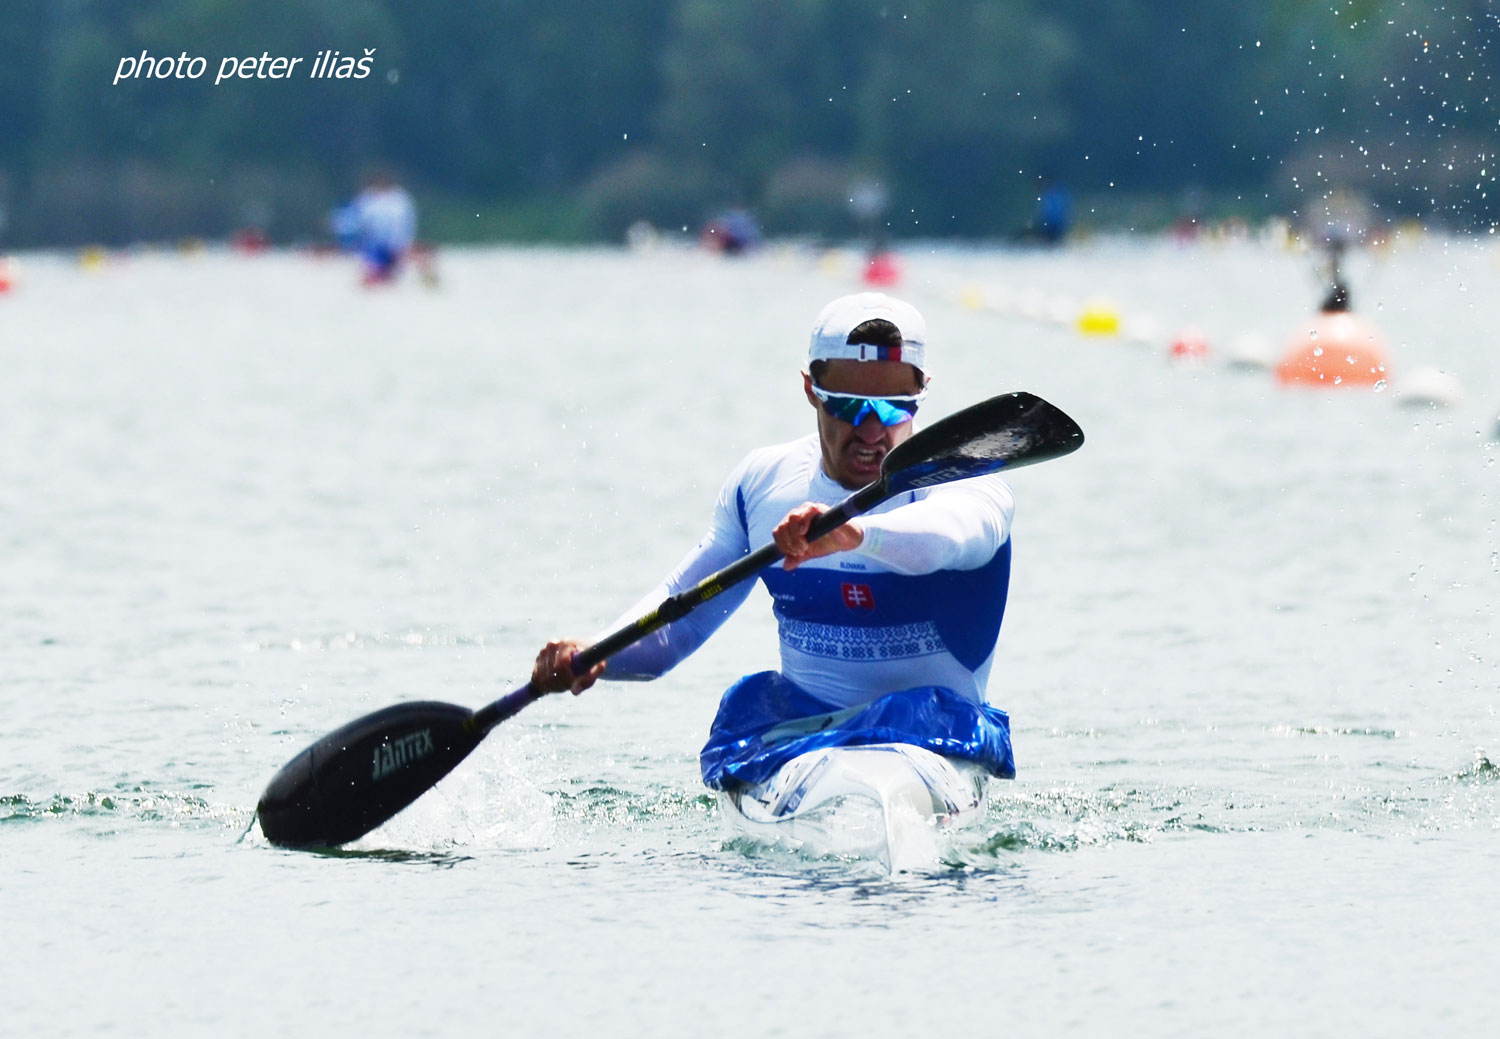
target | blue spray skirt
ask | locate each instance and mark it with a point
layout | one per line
(764, 721)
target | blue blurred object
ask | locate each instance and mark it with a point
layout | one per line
(1054, 214)
(343, 223)
(732, 232)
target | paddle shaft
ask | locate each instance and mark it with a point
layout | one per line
(680, 605)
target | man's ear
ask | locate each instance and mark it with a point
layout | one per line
(807, 385)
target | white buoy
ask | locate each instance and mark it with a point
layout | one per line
(641, 237)
(972, 297)
(1062, 309)
(1429, 387)
(1251, 352)
(1030, 304)
(1000, 299)
(1141, 330)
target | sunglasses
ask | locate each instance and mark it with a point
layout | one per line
(854, 409)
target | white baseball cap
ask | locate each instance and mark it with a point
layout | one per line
(830, 334)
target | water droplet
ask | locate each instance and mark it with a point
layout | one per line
(1380, 386)
(1317, 351)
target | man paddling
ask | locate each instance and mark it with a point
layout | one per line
(887, 630)
(384, 219)
(888, 623)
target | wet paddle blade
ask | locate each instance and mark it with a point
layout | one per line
(1004, 432)
(357, 777)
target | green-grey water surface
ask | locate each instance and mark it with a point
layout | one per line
(1249, 654)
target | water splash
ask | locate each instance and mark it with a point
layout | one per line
(605, 805)
(1481, 771)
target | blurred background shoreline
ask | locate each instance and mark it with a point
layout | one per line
(570, 124)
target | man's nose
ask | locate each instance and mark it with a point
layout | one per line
(870, 430)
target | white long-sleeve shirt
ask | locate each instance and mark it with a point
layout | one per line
(918, 603)
(386, 218)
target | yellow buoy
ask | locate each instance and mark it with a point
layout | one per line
(1099, 318)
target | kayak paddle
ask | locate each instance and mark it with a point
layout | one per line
(360, 775)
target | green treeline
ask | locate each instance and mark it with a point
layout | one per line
(534, 119)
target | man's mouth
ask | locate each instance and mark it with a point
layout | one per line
(865, 458)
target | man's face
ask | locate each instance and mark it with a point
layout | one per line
(852, 454)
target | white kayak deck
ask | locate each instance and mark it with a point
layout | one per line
(891, 802)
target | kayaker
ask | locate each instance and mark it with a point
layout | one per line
(384, 220)
(888, 624)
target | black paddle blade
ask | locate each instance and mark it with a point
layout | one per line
(357, 777)
(1004, 432)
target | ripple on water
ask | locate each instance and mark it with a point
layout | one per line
(505, 807)
(136, 803)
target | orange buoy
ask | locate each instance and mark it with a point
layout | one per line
(1335, 349)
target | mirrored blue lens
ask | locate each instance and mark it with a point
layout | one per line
(855, 410)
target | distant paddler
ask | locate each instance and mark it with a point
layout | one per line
(382, 224)
(1336, 348)
(732, 233)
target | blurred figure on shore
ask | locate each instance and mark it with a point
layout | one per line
(732, 233)
(1190, 216)
(6, 277)
(1054, 212)
(868, 201)
(1338, 223)
(1336, 299)
(383, 222)
(1053, 217)
(252, 237)
(343, 224)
